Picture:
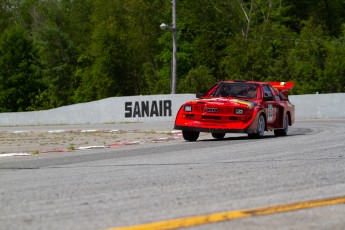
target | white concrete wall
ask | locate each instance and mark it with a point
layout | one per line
(158, 108)
(319, 106)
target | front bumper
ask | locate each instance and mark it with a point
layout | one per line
(213, 130)
(222, 121)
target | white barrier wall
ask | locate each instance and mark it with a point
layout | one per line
(115, 109)
(319, 106)
(157, 108)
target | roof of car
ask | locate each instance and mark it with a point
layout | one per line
(245, 81)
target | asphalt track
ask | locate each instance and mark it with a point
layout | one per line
(293, 182)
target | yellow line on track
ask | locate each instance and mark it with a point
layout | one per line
(232, 215)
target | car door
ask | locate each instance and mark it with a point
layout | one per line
(271, 107)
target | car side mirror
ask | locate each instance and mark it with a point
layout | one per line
(199, 95)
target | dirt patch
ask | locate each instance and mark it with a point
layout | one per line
(36, 142)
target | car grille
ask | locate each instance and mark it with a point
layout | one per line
(212, 110)
(205, 117)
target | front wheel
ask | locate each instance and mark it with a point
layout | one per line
(218, 136)
(260, 130)
(190, 135)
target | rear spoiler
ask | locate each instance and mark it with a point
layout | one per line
(283, 87)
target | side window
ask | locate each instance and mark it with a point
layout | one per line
(267, 91)
(275, 93)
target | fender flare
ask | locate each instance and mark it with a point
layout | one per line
(253, 126)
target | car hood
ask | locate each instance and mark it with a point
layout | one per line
(224, 102)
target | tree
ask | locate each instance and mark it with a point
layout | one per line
(333, 78)
(306, 60)
(5, 14)
(87, 50)
(198, 80)
(51, 29)
(20, 73)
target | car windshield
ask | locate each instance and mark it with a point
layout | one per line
(239, 90)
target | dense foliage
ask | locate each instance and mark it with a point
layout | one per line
(60, 52)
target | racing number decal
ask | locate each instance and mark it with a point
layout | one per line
(270, 113)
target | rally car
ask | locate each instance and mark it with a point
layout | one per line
(238, 106)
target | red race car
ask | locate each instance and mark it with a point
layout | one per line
(238, 107)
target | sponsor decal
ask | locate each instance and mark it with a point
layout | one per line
(248, 103)
(161, 108)
(270, 113)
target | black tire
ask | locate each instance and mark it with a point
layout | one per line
(218, 136)
(190, 135)
(284, 131)
(260, 130)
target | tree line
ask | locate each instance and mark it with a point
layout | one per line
(60, 52)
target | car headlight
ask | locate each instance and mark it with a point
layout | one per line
(239, 111)
(188, 108)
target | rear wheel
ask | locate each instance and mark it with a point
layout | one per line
(190, 135)
(260, 130)
(284, 131)
(218, 136)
